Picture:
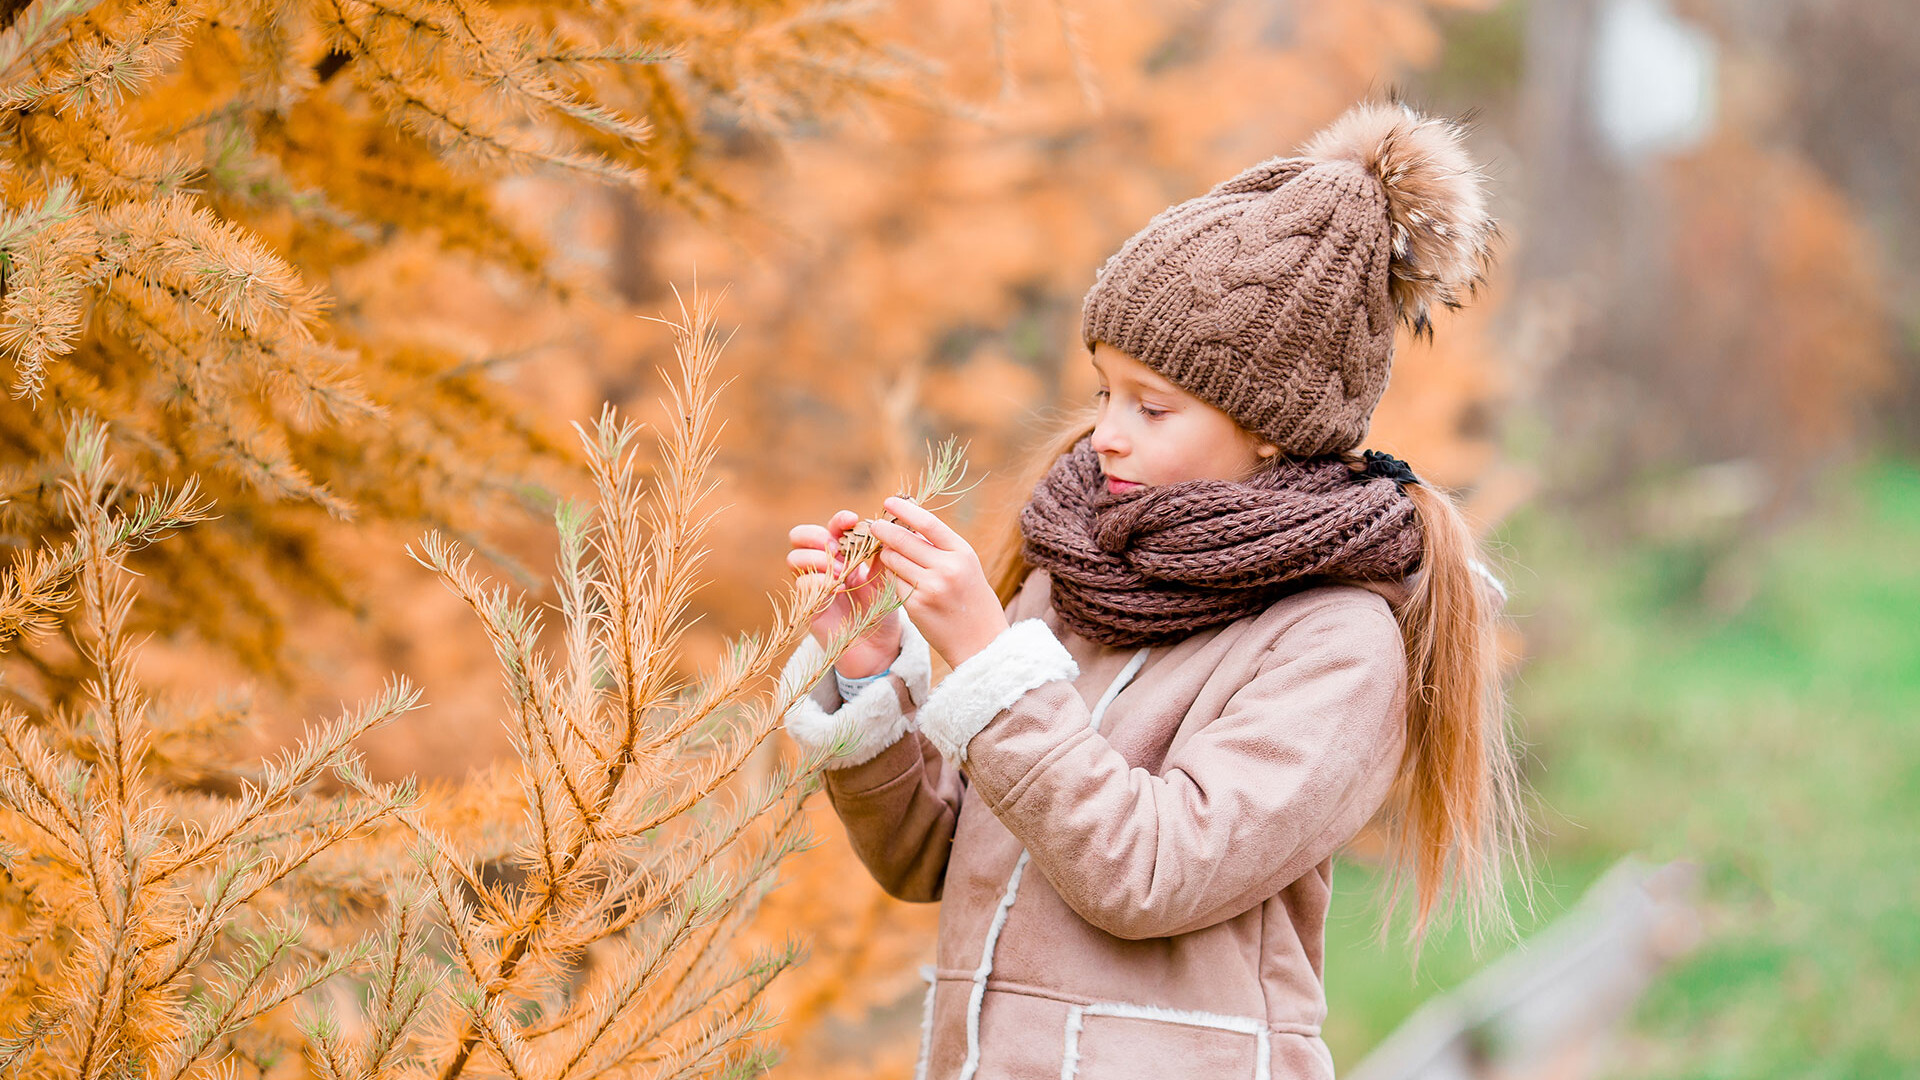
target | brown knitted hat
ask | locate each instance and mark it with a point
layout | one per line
(1273, 297)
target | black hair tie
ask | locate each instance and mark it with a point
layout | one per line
(1385, 465)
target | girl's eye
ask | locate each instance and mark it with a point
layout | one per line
(1101, 394)
(1152, 413)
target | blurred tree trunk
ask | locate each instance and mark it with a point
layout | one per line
(1726, 303)
(1566, 181)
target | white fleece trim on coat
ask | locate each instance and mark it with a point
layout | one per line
(873, 720)
(926, 1023)
(1025, 656)
(1118, 684)
(1245, 1025)
(978, 996)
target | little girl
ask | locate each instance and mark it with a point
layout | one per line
(1190, 686)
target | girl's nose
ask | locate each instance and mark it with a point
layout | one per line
(1107, 439)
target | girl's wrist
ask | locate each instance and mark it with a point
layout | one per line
(866, 658)
(848, 667)
(978, 638)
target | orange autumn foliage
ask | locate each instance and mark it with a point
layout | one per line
(1784, 325)
(572, 912)
(198, 207)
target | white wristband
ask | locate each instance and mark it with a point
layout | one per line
(850, 688)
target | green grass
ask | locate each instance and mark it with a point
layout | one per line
(1778, 748)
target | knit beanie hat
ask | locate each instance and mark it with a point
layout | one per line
(1273, 297)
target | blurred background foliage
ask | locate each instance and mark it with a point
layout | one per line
(1687, 411)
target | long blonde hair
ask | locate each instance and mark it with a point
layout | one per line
(1455, 820)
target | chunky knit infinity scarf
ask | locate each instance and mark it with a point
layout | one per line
(1158, 563)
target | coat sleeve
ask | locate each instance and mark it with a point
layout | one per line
(898, 799)
(900, 810)
(1299, 759)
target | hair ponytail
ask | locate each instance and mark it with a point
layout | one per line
(1456, 820)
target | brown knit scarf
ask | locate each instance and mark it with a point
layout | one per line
(1158, 563)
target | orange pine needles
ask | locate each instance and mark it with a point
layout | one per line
(181, 181)
(573, 917)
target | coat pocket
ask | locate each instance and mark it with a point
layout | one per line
(1121, 1041)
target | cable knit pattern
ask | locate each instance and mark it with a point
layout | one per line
(1026, 655)
(860, 729)
(1161, 562)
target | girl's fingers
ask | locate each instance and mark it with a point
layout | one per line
(809, 536)
(926, 523)
(840, 522)
(904, 541)
(901, 567)
(809, 561)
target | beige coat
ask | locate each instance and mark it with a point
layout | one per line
(1131, 847)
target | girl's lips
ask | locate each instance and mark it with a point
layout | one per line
(1115, 487)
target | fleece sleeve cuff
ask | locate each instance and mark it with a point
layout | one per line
(1025, 656)
(856, 731)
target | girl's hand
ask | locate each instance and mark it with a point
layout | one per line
(952, 602)
(815, 551)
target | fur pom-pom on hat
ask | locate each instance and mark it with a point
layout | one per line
(1442, 234)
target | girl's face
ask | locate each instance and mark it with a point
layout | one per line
(1153, 432)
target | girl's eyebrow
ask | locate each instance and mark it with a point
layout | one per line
(1155, 385)
(1152, 382)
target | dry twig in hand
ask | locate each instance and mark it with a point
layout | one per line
(939, 487)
